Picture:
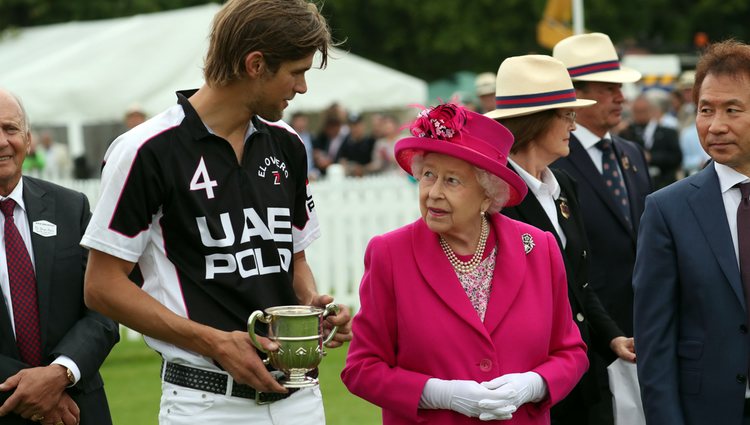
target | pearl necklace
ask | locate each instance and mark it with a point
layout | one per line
(467, 266)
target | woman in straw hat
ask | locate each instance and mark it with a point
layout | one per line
(464, 313)
(536, 102)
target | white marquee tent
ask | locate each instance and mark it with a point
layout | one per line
(81, 73)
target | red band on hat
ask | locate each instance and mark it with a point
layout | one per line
(594, 67)
(537, 99)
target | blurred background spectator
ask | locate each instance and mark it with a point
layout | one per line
(356, 150)
(647, 128)
(300, 122)
(134, 115)
(684, 106)
(485, 90)
(57, 162)
(693, 155)
(328, 142)
(383, 159)
(33, 164)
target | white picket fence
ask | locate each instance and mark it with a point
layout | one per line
(351, 211)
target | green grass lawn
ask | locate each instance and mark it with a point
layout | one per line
(131, 379)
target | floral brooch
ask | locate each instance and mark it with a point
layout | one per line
(528, 242)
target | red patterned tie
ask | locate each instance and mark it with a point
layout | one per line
(22, 290)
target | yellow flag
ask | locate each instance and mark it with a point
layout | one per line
(555, 24)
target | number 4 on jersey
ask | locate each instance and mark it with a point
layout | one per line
(201, 180)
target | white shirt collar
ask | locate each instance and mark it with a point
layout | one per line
(548, 186)
(728, 177)
(17, 195)
(587, 138)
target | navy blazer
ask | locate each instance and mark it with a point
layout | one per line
(596, 327)
(611, 239)
(67, 326)
(691, 323)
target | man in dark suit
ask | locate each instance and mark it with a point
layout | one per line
(51, 345)
(612, 177)
(662, 144)
(692, 273)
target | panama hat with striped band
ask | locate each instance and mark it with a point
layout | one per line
(533, 83)
(592, 57)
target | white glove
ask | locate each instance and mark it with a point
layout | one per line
(510, 392)
(463, 397)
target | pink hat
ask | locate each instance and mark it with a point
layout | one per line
(453, 130)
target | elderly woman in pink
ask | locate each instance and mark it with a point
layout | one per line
(464, 313)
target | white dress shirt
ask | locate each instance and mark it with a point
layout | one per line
(731, 196)
(588, 141)
(648, 134)
(22, 224)
(546, 191)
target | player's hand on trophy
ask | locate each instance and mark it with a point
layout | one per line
(237, 355)
(342, 319)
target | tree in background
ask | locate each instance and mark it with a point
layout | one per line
(433, 39)
(436, 38)
(24, 13)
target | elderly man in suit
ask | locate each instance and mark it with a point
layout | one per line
(662, 143)
(692, 273)
(612, 177)
(51, 345)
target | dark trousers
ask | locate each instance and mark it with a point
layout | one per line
(571, 410)
(601, 412)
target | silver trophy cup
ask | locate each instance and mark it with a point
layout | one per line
(298, 331)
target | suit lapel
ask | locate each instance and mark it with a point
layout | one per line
(531, 211)
(440, 276)
(510, 270)
(574, 233)
(40, 206)
(707, 205)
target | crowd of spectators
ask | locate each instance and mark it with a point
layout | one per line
(361, 143)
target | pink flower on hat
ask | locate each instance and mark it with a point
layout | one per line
(471, 137)
(442, 122)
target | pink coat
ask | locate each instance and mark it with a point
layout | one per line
(416, 322)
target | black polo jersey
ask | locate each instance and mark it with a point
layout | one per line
(214, 237)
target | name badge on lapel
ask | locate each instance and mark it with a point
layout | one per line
(44, 228)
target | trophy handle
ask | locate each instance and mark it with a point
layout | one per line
(256, 315)
(331, 308)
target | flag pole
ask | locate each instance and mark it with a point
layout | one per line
(577, 16)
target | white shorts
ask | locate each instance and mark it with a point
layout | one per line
(186, 406)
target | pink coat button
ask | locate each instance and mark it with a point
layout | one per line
(485, 365)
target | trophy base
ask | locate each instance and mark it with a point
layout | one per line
(299, 380)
